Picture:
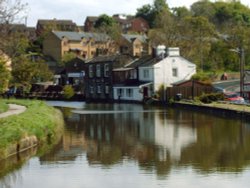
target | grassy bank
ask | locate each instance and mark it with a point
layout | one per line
(40, 122)
(3, 106)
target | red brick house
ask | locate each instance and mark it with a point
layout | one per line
(90, 23)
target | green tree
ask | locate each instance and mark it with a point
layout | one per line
(26, 72)
(104, 21)
(152, 12)
(4, 75)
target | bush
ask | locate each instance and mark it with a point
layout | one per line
(68, 92)
(211, 97)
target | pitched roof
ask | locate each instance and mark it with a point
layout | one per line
(77, 36)
(131, 38)
(92, 18)
(47, 21)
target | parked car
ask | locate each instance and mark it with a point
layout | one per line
(234, 97)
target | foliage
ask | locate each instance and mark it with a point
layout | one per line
(204, 77)
(211, 97)
(104, 21)
(160, 92)
(4, 75)
(45, 121)
(205, 33)
(68, 57)
(26, 72)
(152, 12)
(68, 92)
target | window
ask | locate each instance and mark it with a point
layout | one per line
(129, 92)
(98, 70)
(91, 89)
(99, 89)
(120, 93)
(106, 70)
(107, 89)
(175, 72)
(146, 73)
(91, 72)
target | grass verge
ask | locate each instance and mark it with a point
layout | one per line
(3, 106)
(39, 120)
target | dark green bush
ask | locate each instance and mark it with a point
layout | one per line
(211, 97)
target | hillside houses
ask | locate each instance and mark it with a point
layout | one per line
(85, 45)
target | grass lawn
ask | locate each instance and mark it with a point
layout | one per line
(38, 120)
(3, 106)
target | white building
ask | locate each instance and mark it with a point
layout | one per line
(167, 70)
(152, 72)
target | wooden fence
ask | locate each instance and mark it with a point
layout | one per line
(187, 92)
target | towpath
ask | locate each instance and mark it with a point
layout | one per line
(13, 110)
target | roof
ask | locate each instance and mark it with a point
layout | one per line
(77, 36)
(92, 18)
(119, 60)
(133, 83)
(45, 22)
(100, 59)
(140, 61)
(131, 38)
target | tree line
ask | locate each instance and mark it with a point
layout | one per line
(206, 33)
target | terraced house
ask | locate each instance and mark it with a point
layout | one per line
(85, 45)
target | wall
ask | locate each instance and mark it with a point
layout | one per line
(163, 71)
(137, 96)
(52, 47)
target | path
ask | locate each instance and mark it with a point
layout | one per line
(13, 110)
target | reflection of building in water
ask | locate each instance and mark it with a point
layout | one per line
(170, 135)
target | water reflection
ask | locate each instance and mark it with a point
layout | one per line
(141, 146)
(158, 139)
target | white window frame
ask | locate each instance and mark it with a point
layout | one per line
(106, 89)
(99, 89)
(129, 92)
(98, 70)
(91, 88)
(106, 70)
(91, 71)
(146, 73)
(120, 92)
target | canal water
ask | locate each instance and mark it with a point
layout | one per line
(135, 146)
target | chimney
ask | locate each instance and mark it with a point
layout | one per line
(173, 52)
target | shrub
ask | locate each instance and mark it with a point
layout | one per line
(68, 92)
(211, 97)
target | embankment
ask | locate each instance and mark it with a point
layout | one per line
(39, 124)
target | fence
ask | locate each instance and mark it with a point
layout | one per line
(188, 92)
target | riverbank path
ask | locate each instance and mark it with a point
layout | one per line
(13, 110)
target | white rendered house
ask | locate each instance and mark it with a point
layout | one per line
(167, 70)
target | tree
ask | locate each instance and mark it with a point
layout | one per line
(152, 12)
(26, 72)
(9, 9)
(4, 75)
(104, 21)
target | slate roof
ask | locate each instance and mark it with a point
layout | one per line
(77, 36)
(92, 18)
(131, 38)
(61, 22)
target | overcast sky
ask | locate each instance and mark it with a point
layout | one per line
(77, 10)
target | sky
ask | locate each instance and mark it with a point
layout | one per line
(77, 10)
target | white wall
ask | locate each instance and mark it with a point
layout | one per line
(142, 75)
(136, 96)
(163, 71)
